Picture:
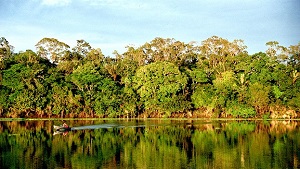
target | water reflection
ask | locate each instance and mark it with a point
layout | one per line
(150, 144)
(63, 130)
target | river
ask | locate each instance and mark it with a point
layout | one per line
(141, 144)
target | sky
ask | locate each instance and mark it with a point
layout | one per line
(114, 24)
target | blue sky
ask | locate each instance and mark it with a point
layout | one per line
(113, 24)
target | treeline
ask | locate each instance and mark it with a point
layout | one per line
(162, 78)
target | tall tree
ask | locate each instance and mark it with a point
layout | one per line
(276, 51)
(95, 55)
(171, 50)
(219, 51)
(52, 49)
(71, 59)
(82, 48)
(5, 48)
(294, 59)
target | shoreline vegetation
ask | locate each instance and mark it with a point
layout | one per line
(164, 78)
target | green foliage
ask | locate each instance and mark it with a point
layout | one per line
(203, 97)
(294, 102)
(258, 95)
(12, 78)
(162, 77)
(225, 83)
(99, 93)
(217, 95)
(277, 92)
(107, 98)
(63, 100)
(160, 86)
(4, 103)
(198, 76)
(240, 110)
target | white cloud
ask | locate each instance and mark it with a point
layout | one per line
(56, 2)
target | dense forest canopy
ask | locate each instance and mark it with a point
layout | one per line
(161, 78)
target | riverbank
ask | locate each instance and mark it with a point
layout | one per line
(205, 114)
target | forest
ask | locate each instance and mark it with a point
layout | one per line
(163, 78)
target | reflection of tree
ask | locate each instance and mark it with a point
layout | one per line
(166, 145)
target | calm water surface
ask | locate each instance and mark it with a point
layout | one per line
(150, 144)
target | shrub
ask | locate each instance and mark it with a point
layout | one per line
(240, 110)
